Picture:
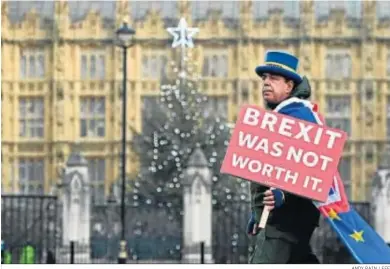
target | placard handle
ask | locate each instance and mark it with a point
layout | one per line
(264, 215)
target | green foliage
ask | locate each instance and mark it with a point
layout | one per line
(173, 128)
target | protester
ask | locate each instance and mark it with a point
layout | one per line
(50, 259)
(293, 219)
(2, 251)
(6, 256)
(27, 255)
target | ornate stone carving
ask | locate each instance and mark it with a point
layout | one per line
(244, 58)
(31, 22)
(369, 18)
(93, 22)
(276, 26)
(60, 61)
(59, 108)
(154, 22)
(61, 9)
(369, 7)
(4, 19)
(246, 15)
(338, 26)
(307, 7)
(369, 116)
(306, 63)
(216, 21)
(122, 12)
(184, 7)
(245, 7)
(369, 65)
(4, 10)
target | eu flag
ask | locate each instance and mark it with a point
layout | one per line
(365, 245)
(363, 242)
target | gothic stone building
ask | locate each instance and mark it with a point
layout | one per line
(61, 76)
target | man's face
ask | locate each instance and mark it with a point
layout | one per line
(276, 88)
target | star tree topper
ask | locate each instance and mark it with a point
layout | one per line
(182, 34)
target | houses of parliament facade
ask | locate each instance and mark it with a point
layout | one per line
(62, 77)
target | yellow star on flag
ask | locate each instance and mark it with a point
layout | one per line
(333, 214)
(358, 236)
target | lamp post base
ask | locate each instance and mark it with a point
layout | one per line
(122, 258)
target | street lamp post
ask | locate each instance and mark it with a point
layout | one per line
(124, 35)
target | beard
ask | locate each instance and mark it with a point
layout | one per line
(270, 105)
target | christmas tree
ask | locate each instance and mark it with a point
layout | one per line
(176, 127)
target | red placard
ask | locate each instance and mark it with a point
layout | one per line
(283, 152)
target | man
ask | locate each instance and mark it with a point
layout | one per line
(292, 219)
(27, 255)
(6, 256)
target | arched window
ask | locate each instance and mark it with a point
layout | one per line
(329, 66)
(388, 65)
(32, 69)
(84, 71)
(92, 64)
(214, 66)
(338, 64)
(338, 112)
(347, 66)
(388, 117)
(223, 66)
(154, 67)
(206, 66)
(145, 66)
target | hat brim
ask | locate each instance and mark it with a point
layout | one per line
(260, 70)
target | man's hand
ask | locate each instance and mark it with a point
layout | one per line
(273, 198)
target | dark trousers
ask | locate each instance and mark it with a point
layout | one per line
(302, 255)
(279, 250)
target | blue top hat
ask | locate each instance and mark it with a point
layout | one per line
(281, 63)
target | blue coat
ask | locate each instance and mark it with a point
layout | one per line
(297, 108)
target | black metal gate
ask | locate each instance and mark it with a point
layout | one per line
(154, 235)
(29, 228)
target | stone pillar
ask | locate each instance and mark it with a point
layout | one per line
(197, 209)
(76, 209)
(381, 197)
